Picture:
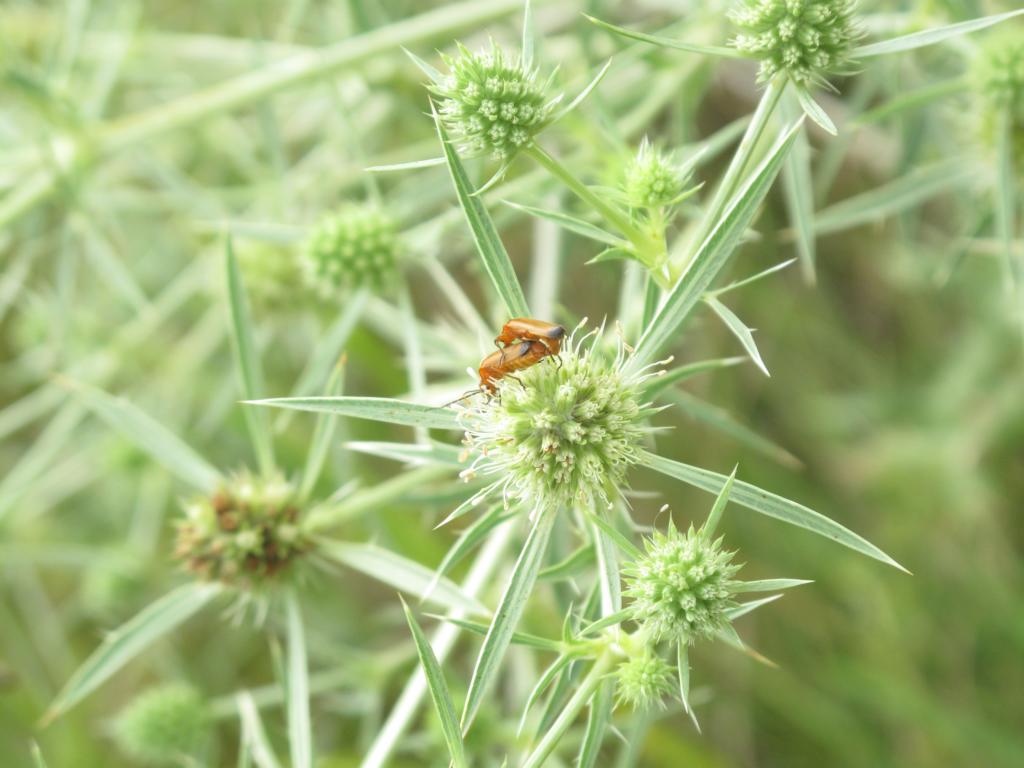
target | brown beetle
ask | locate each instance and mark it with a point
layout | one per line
(528, 329)
(508, 360)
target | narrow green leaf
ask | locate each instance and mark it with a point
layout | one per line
(401, 573)
(529, 36)
(573, 565)
(769, 504)
(489, 246)
(415, 454)
(434, 76)
(771, 585)
(300, 729)
(598, 719)
(37, 756)
(814, 111)
(683, 669)
(905, 100)
(470, 538)
(722, 500)
(247, 362)
(429, 162)
(683, 372)
(723, 421)
(611, 254)
(607, 571)
(752, 605)
(519, 638)
(254, 737)
(438, 692)
(579, 226)
(668, 42)
(607, 621)
(129, 640)
(383, 409)
(712, 255)
(752, 279)
(799, 189)
(545, 680)
(582, 94)
(513, 602)
(893, 197)
(323, 435)
(149, 435)
(632, 551)
(930, 36)
(739, 329)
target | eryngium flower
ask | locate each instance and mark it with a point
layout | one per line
(356, 247)
(805, 39)
(651, 179)
(565, 430)
(492, 104)
(999, 77)
(643, 679)
(681, 588)
(169, 726)
(244, 534)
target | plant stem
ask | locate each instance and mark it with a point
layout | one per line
(648, 249)
(572, 709)
(739, 163)
(442, 642)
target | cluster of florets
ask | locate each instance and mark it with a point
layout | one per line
(354, 248)
(492, 104)
(682, 588)
(245, 534)
(563, 431)
(643, 679)
(805, 39)
(999, 78)
(166, 726)
(651, 179)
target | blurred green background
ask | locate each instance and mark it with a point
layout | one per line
(897, 384)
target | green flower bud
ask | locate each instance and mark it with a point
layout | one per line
(563, 431)
(651, 179)
(354, 248)
(681, 588)
(272, 275)
(999, 81)
(244, 535)
(805, 39)
(492, 105)
(643, 679)
(169, 725)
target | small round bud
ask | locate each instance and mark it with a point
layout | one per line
(492, 104)
(805, 39)
(651, 179)
(166, 726)
(244, 534)
(564, 431)
(998, 74)
(272, 275)
(681, 588)
(643, 679)
(356, 247)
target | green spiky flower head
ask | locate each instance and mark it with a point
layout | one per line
(491, 103)
(682, 587)
(999, 77)
(166, 726)
(643, 679)
(805, 39)
(564, 431)
(652, 180)
(245, 535)
(356, 247)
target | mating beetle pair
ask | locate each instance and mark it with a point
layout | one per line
(521, 343)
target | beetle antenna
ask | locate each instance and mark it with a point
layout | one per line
(470, 393)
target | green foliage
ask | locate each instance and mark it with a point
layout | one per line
(165, 726)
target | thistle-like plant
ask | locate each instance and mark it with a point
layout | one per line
(166, 726)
